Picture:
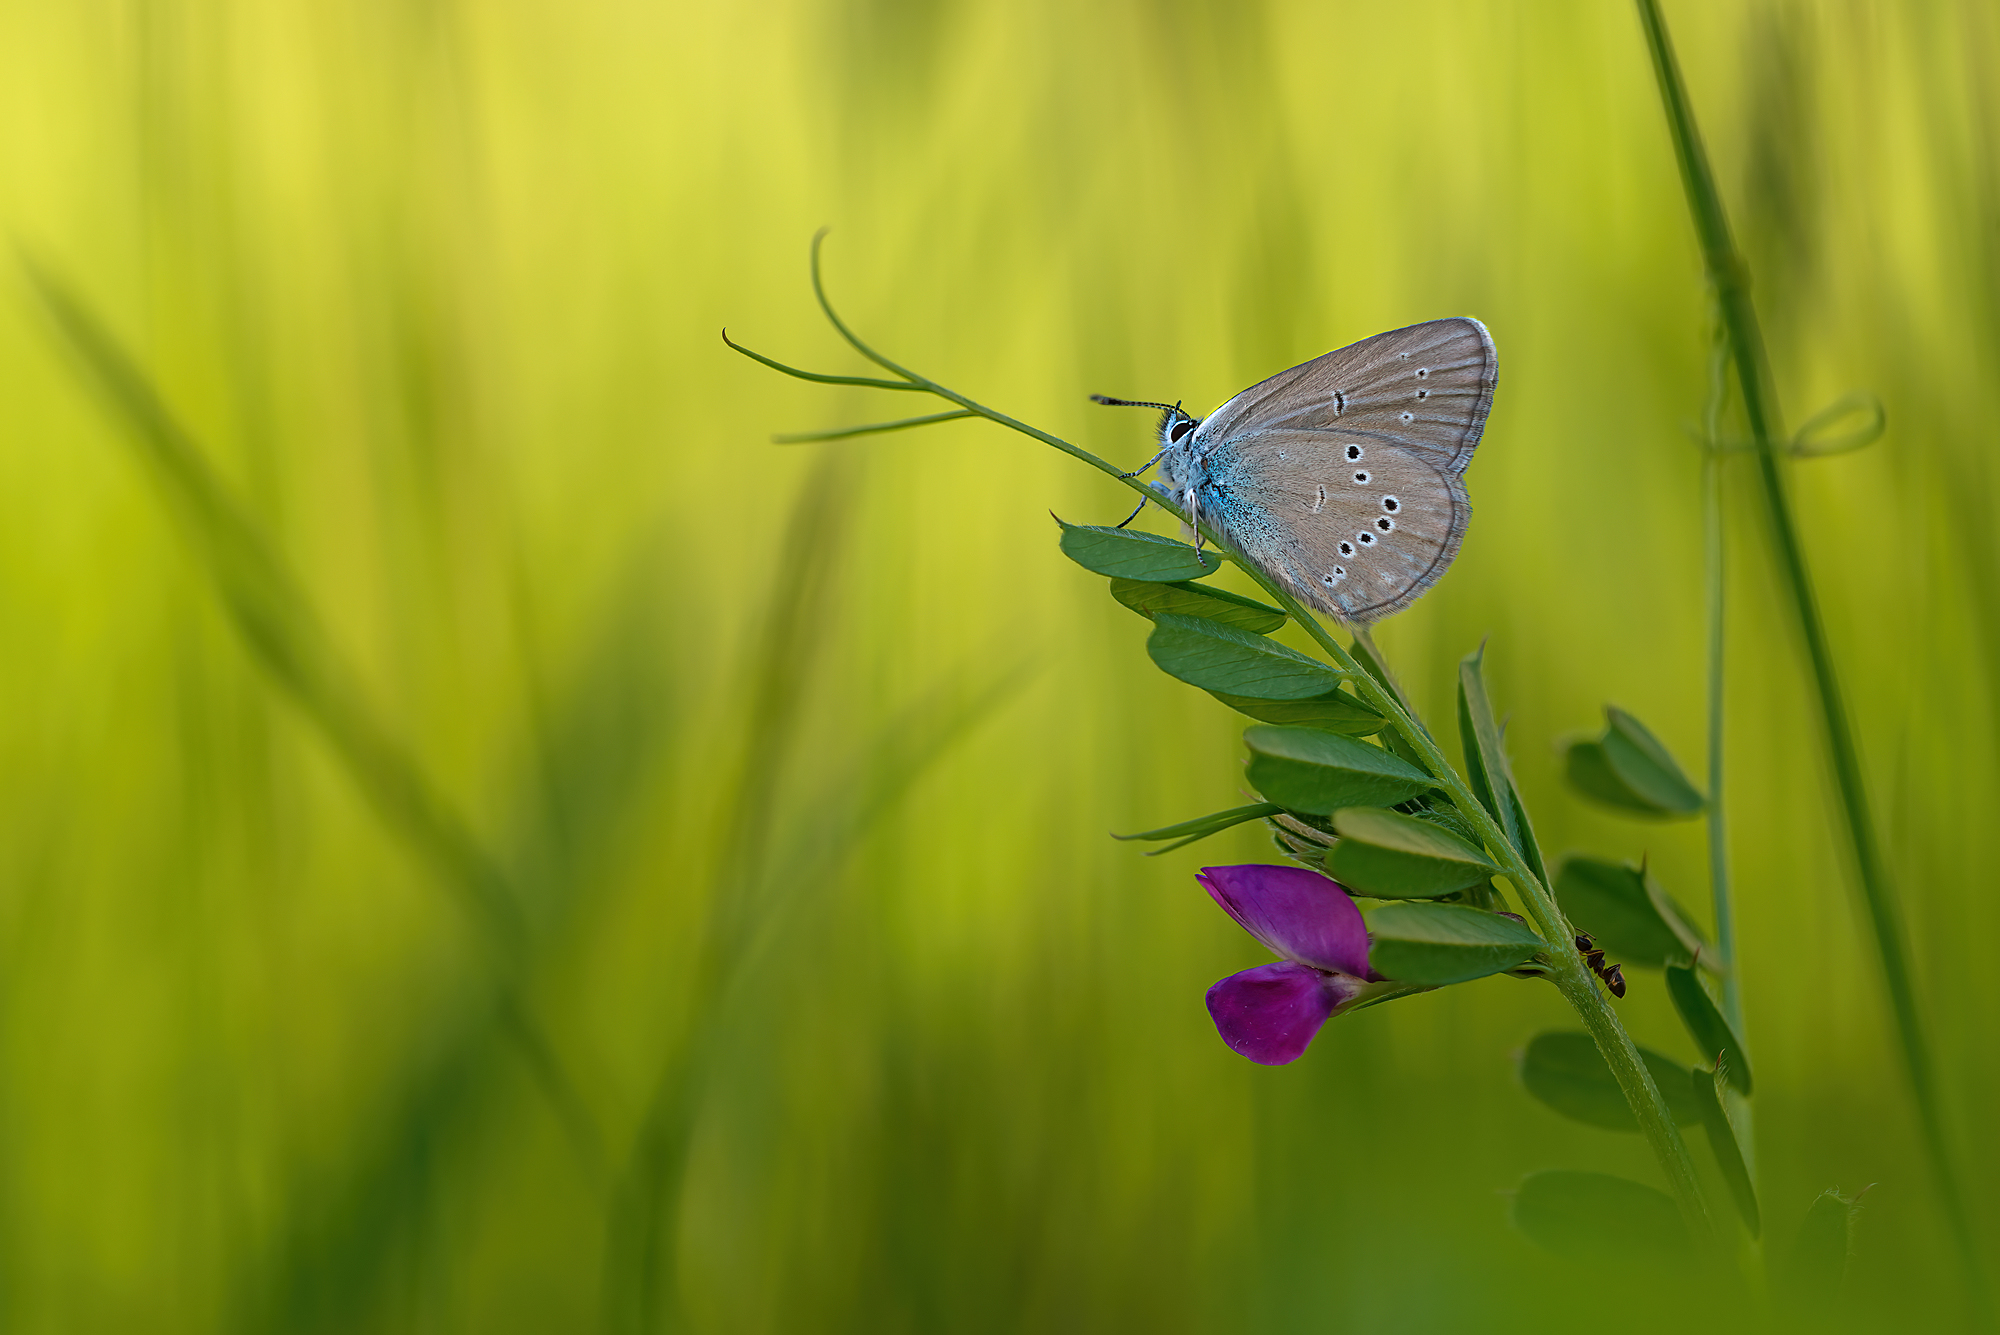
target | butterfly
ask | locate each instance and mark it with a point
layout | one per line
(1343, 478)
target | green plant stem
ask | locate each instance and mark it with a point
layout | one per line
(1714, 591)
(1566, 968)
(1729, 277)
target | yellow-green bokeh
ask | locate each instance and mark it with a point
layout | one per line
(804, 756)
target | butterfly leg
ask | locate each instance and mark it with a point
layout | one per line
(1194, 514)
(1135, 513)
(1143, 467)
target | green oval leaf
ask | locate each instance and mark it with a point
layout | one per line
(1216, 657)
(1336, 711)
(1711, 1099)
(1439, 944)
(1565, 1070)
(1124, 554)
(1712, 1036)
(1589, 772)
(1646, 768)
(1626, 912)
(1305, 769)
(1149, 599)
(1391, 856)
(1817, 1262)
(1597, 1218)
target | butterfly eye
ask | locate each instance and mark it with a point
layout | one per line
(1179, 429)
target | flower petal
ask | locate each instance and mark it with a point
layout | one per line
(1297, 913)
(1271, 1012)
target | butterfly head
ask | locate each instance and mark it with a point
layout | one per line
(1177, 429)
(1176, 426)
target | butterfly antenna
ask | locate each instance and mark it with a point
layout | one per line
(1110, 402)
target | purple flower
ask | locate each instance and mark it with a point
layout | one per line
(1271, 1012)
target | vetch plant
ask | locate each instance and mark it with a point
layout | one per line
(1364, 805)
(1309, 762)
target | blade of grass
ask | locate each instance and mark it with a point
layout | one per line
(285, 636)
(875, 429)
(336, 1259)
(781, 664)
(642, 1288)
(1729, 278)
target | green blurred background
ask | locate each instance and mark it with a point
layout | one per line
(833, 1008)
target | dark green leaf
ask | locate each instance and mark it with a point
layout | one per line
(1336, 711)
(1196, 600)
(1590, 772)
(1486, 761)
(1124, 554)
(1449, 818)
(1630, 917)
(1713, 1037)
(1710, 1095)
(1817, 1261)
(1646, 768)
(1305, 769)
(1200, 828)
(1566, 1071)
(1216, 657)
(1597, 1218)
(1391, 856)
(1446, 943)
(1364, 652)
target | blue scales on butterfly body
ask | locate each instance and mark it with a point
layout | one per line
(1343, 478)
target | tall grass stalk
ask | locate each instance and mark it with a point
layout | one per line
(335, 1255)
(1714, 597)
(769, 856)
(1566, 968)
(1729, 278)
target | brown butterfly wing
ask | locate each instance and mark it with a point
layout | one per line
(1358, 526)
(1426, 388)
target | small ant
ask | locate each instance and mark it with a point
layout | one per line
(1613, 976)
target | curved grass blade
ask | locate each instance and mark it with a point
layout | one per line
(1189, 831)
(817, 377)
(875, 429)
